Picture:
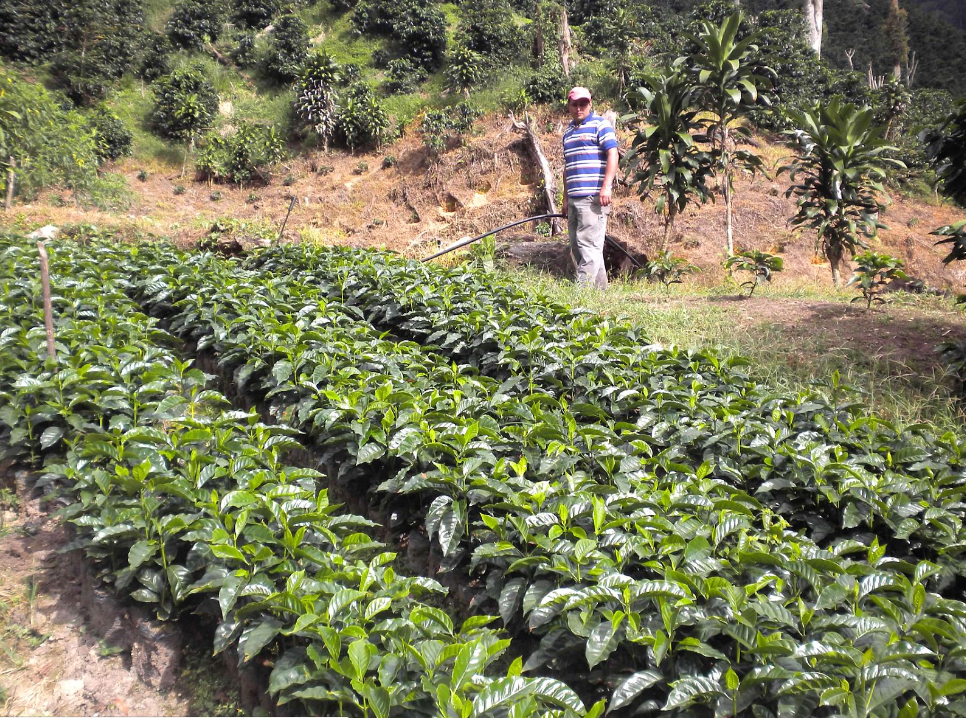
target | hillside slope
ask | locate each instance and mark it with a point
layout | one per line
(416, 205)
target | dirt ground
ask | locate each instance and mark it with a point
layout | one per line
(51, 664)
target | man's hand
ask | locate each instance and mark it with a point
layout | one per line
(605, 193)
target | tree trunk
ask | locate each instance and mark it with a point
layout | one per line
(814, 10)
(729, 234)
(549, 189)
(668, 224)
(834, 254)
(539, 44)
(564, 43)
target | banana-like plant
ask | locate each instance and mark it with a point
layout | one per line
(872, 273)
(836, 175)
(946, 149)
(666, 153)
(761, 265)
(730, 78)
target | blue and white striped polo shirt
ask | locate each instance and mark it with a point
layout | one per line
(585, 155)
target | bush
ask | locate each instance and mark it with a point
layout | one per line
(112, 138)
(288, 49)
(466, 69)
(244, 53)
(240, 156)
(155, 59)
(488, 27)
(50, 145)
(417, 25)
(548, 85)
(255, 14)
(362, 120)
(441, 127)
(29, 30)
(404, 76)
(185, 104)
(195, 22)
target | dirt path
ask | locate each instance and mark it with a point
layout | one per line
(51, 664)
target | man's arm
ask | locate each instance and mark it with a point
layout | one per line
(610, 172)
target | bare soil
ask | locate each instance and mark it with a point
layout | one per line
(52, 664)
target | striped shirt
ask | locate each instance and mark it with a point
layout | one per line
(585, 155)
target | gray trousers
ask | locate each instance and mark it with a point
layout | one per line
(587, 225)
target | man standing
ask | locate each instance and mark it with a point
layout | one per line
(590, 165)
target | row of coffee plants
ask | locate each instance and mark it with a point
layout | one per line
(644, 575)
(188, 506)
(824, 465)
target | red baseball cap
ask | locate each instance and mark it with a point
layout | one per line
(578, 93)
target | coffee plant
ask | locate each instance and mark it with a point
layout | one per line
(255, 14)
(873, 273)
(465, 69)
(361, 121)
(761, 265)
(404, 76)
(440, 128)
(112, 138)
(242, 156)
(196, 22)
(288, 49)
(668, 270)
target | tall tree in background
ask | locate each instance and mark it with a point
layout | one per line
(729, 81)
(895, 31)
(814, 13)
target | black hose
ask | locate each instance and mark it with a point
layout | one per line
(465, 242)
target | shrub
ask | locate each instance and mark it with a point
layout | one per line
(155, 59)
(316, 95)
(179, 189)
(440, 127)
(244, 53)
(668, 270)
(112, 138)
(29, 30)
(255, 14)
(50, 145)
(548, 85)
(362, 120)
(404, 76)
(417, 25)
(761, 265)
(240, 156)
(488, 27)
(288, 49)
(466, 69)
(195, 22)
(143, 175)
(185, 104)
(872, 273)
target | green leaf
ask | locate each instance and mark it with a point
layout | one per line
(360, 653)
(471, 658)
(631, 687)
(141, 552)
(511, 597)
(256, 636)
(600, 643)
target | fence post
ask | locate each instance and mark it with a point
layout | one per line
(48, 309)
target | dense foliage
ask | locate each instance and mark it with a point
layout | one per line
(112, 138)
(185, 103)
(241, 156)
(362, 120)
(288, 48)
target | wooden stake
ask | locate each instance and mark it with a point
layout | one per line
(11, 176)
(48, 309)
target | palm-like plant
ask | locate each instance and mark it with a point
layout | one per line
(730, 79)
(955, 235)
(665, 153)
(668, 270)
(872, 273)
(837, 175)
(946, 149)
(760, 264)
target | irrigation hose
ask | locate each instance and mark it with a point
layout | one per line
(471, 240)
